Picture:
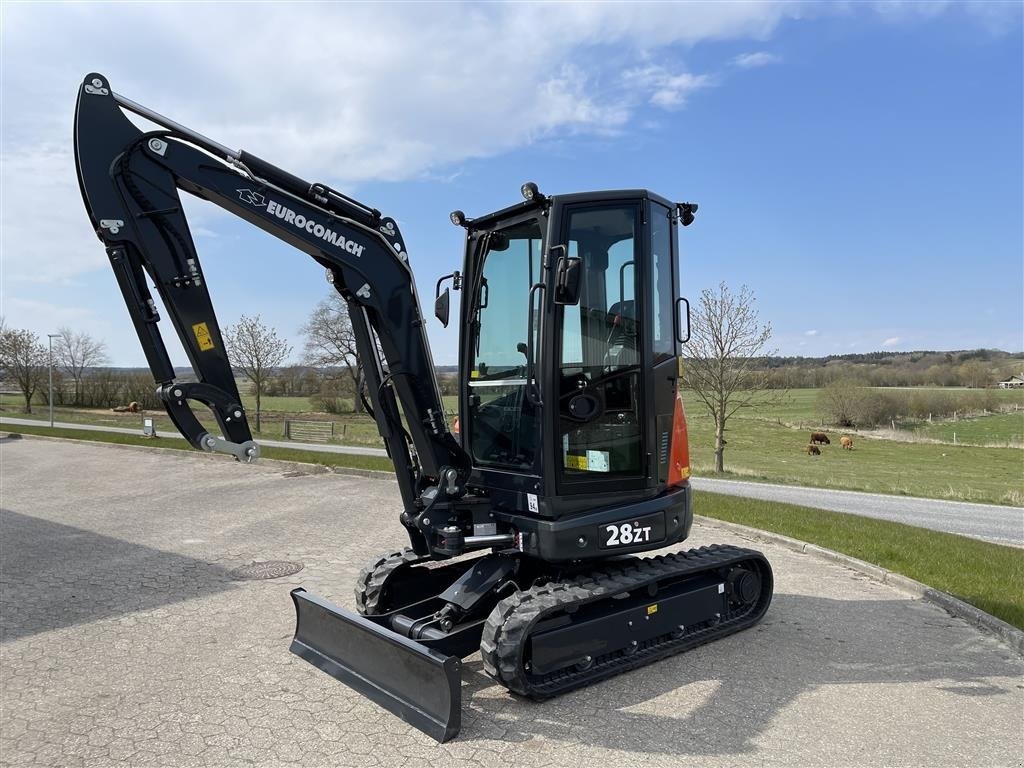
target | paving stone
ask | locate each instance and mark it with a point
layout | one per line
(124, 641)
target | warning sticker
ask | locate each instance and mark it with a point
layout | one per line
(203, 337)
(575, 462)
(597, 461)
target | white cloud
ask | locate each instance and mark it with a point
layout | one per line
(45, 235)
(892, 341)
(394, 92)
(343, 93)
(756, 59)
(811, 333)
(667, 89)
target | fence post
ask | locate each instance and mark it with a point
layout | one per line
(954, 438)
(287, 430)
(344, 429)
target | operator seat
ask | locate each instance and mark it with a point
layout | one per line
(622, 336)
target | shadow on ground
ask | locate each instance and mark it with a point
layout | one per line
(718, 699)
(54, 576)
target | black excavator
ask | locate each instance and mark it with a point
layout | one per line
(570, 457)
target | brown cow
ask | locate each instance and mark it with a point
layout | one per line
(812, 450)
(820, 437)
(846, 442)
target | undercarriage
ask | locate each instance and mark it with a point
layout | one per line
(541, 632)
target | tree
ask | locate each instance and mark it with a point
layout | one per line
(75, 353)
(726, 343)
(257, 351)
(975, 373)
(330, 341)
(841, 402)
(25, 360)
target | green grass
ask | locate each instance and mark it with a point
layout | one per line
(988, 576)
(762, 450)
(998, 428)
(282, 454)
(800, 406)
(278, 403)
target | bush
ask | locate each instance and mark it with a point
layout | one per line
(840, 402)
(334, 396)
(846, 403)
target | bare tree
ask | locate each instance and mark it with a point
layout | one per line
(976, 373)
(330, 341)
(842, 402)
(75, 352)
(25, 360)
(257, 351)
(726, 343)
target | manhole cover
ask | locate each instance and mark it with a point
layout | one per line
(271, 569)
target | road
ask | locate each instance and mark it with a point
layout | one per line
(1002, 525)
(352, 450)
(126, 641)
(990, 522)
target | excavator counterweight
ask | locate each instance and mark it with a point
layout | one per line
(526, 527)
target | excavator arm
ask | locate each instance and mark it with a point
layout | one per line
(131, 182)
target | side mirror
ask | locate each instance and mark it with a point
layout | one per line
(568, 272)
(680, 303)
(441, 299)
(441, 307)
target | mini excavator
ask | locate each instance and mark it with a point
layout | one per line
(525, 524)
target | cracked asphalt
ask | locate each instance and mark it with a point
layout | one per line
(124, 641)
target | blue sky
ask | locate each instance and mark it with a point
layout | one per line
(859, 166)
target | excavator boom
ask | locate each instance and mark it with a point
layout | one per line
(130, 182)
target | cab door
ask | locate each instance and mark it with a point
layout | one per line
(595, 400)
(501, 420)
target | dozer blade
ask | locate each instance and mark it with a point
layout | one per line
(420, 685)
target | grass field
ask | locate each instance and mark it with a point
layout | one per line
(281, 454)
(988, 576)
(996, 429)
(759, 449)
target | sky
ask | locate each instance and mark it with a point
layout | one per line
(858, 165)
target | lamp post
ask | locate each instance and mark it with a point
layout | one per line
(51, 337)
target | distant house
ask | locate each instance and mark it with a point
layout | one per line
(1013, 382)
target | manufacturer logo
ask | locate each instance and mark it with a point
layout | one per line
(252, 198)
(257, 200)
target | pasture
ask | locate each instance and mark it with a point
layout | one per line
(762, 449)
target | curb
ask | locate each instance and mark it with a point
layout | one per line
(286, 466)
(1007, 633)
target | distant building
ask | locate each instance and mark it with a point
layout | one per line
(1013, 382)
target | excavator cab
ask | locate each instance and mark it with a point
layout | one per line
(572, 322)
(524, 529)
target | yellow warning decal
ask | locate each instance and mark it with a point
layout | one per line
(652, 609)
(203, 337)
(474, 374)
(575, 462)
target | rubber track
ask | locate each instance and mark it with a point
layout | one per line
(372, 579)
(508, 627)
